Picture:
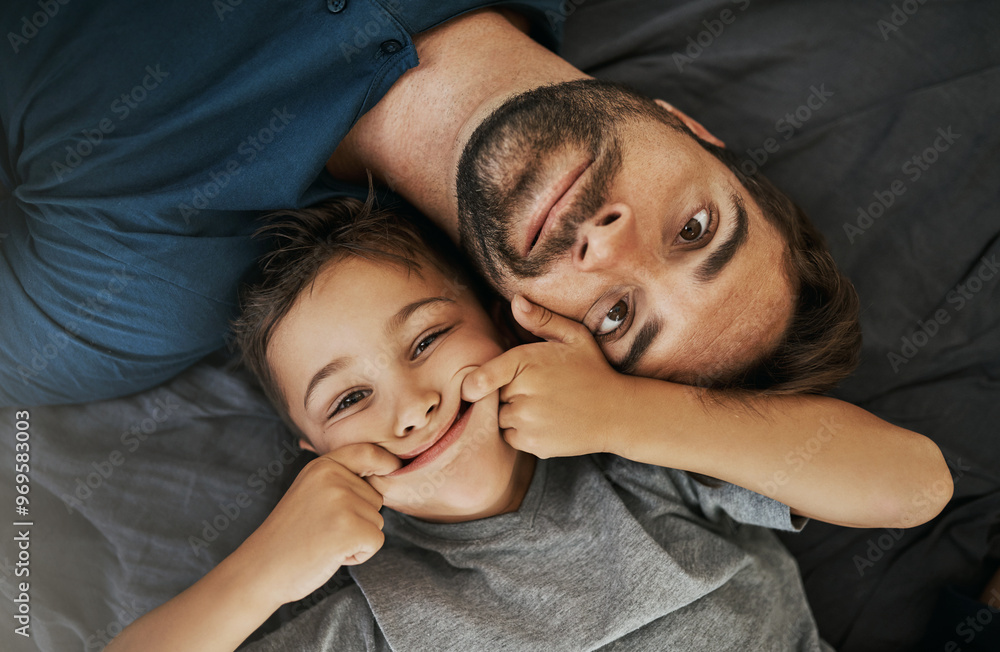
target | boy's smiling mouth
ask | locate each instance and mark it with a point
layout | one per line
(427, 454)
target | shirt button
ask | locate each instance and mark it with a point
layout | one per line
(392, 46)
(336, 6)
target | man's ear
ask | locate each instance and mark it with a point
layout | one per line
(692, 124)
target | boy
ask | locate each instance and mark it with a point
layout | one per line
(362, 336)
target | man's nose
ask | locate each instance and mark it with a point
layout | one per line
(606, 239)
(417, 406)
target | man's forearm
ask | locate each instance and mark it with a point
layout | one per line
(825, 458)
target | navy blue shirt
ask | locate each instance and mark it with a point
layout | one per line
(141, 140)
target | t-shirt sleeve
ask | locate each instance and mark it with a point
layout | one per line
(742, 505)
(342, 621)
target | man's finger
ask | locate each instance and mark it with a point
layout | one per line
(507, 416)
(546, 324)
(493, 375)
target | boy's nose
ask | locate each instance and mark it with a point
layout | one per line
(416, 411)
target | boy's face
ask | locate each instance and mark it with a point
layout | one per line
(374, 354)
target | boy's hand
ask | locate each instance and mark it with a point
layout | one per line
(328, 518)
(559, 397)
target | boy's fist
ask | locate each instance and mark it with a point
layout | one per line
(328, 518)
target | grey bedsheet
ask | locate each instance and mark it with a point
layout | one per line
(134, 499)
(833, 101)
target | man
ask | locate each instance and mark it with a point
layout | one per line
(130, 208)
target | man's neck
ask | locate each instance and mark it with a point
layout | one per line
(413, 138)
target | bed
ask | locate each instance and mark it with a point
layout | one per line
(878, 118)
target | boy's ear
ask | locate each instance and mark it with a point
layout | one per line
(699, 130)
(306, 446)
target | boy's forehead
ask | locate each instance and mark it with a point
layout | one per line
(384, 285)
(355, 304)
(342, 315)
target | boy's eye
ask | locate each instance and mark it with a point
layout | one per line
(426, 342)
(351, 398)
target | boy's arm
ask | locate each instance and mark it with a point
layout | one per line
(824, 458)
(328, 518)
(217, 613)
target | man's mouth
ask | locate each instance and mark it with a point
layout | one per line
(553, 204)
(423, 456)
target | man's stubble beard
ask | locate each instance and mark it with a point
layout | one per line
(500, 169)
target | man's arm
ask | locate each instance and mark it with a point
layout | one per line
(328, 518)
(824, 458)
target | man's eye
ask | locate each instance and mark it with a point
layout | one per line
(352, 398)
(696, 227)
(614, 318)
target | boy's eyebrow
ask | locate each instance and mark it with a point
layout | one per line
(396, 321)
(321, 375)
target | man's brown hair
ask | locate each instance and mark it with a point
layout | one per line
(822, 343)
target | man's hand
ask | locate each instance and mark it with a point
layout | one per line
(328, 518)
(559, 397)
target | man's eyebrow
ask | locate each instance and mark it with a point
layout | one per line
(396, 321)
(718, 259)
(640, 344)
(322, 375)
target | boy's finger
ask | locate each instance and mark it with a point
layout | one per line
(365, 459)
(367, 550)
(546, 324)
(493, 375)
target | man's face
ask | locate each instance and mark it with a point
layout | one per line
(375, 354)
(612, 217)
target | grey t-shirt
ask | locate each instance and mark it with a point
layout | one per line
(603, 554)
